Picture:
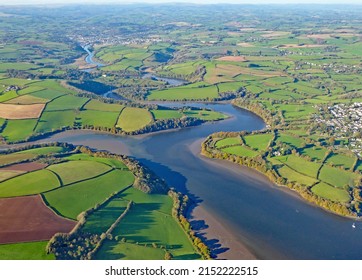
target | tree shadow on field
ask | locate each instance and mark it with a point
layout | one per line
(178, 181)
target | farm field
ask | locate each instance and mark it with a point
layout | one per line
(43, 200)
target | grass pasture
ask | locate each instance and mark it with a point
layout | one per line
(30, 183)
(240, 151)
(71, 200)
(300, 165)
(258, 141)
(17, 130)
(337, 177)
(132, 119)
(184, 93)
(228, 142)
(25, 251)
(74, 171)
(331, 193)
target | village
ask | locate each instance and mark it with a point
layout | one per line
(345, 120)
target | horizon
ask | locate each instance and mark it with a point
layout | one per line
(200, 2)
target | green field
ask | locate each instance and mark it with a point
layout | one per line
(166, 114)
(25, 251)
(70, 201)
(315, 153)
(17, 130)
(293, 176)
(98, 118)
(331, 193)
(114, 163)
(205, 115)
(74, 171)
(66, 102)
(259, 141)
(50, 121)
(228, 142)
(184, 93)
(132, 119)
(300, 165)
(100, 106)
(240, 151)
(337, 177)
(149, 221)
(30, 183)
(341, 160)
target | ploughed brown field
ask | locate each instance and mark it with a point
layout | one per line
(17, 112)
(27, 218)
(28, 166)
(232, 58)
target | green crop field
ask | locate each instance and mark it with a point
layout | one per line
(259, 141)
(30, 183)
(74, 171)
(329, 192)
(4, 175)
(132, 119)
(70, 201)
(6, 159)
(43, 151)
(25, 251)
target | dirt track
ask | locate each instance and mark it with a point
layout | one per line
(28, 219)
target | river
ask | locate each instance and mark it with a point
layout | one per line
(240, 206)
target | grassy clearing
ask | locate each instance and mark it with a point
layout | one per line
(240, 151)
(258, 141)
(337, 177)
(70, 201)
(74, 171)
(228, 141)
(301, 165)
(331, 193)
(166, 114)
(30, 183)
(132, 119)
(8, 96)
(17, 130)
(25, 251)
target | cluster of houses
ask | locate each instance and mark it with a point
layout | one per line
(345, 120)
